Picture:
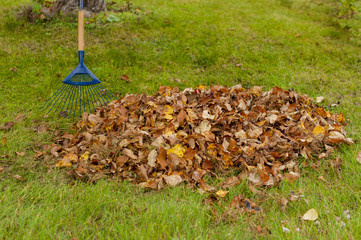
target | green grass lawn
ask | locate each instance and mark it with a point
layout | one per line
(290, 44)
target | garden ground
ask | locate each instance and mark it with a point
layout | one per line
(291, 44)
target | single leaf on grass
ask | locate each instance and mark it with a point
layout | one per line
(7, 126)
(21, 154)
(231, 182)
(310, 215)
(125, 78)
(1, 169)
(358, 158)
(222, 193)
(18, 177)
(336, 162)
(206, 187)
(4, 140)
(320, 99)
(20, 117)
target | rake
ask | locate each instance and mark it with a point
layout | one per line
(81, 90)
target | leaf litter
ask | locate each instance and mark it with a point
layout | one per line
(182, 136)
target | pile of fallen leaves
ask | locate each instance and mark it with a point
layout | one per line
(175, 136)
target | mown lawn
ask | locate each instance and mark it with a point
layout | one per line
(290, 44)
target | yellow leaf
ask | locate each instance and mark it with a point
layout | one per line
(322, 112)
(62, 163)
(202, 87)
(341, 118)
(178, 149)
(222, 193)
(212, 146)
(328, 114)
(85, 156)
(108, 128)
(318, 130)
(168, 111)
(168, 131)
(70, 157)
(152, 104)
(310, 215)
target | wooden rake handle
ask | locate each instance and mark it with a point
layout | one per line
(81, 40)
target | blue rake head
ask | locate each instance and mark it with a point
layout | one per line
(81, 92)
(81, 75)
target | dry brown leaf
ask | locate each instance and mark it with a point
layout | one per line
(21, 154)
(20, 117)
(336, 137)
(231, 182)
(173, 180)
(18, 177)
(130, 153)
(7, 126)
(152, 158)
(4, 140)
(358, 157)
(161, 159)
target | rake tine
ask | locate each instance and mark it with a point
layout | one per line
(99, 93)
(53, 97)
(104, 93)
(85, 100)
(72, 101)
(75, 101)
(58, 98)
(66, 100)
(87, 97)
(80, 100)
(91, 97)
(95, 95)
(111, 95)
(71, 96)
